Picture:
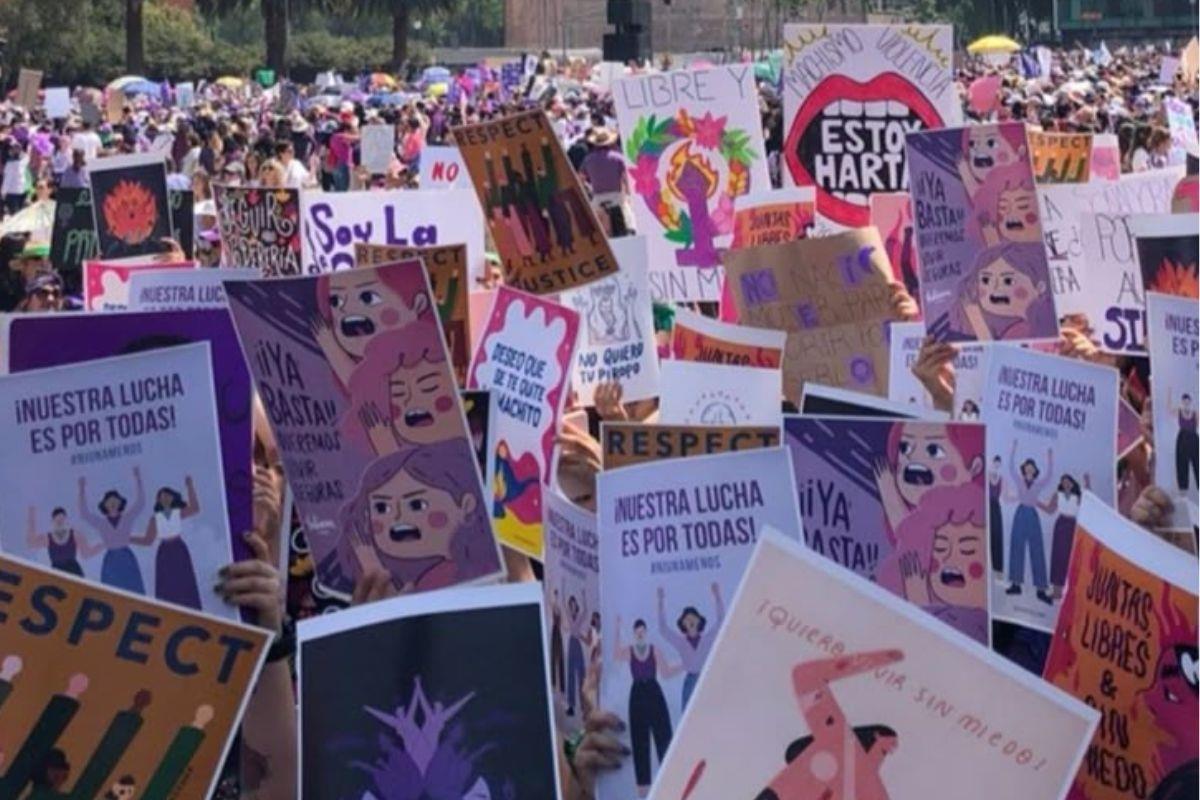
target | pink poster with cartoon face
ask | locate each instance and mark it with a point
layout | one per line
(524, 358)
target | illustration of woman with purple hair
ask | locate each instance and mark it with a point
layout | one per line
(418, 515)
(1006, 294)
(174, 574)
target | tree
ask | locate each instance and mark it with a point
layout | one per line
(135, 39)
(402, 12)
(275, 15)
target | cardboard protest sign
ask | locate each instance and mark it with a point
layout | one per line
(113, 694)
(524, 358)
(114, 106)
(677, 537)
(773, 216)
(177, 289)
(442, 168)
(698, 393)
(695, 337)
(47, 340)
(58, 102)
(891, 215)
(1061, 157)
(106, 284)
(117, 465)
(131, 205)
(693, 142)
(625, 443)
(29, 81)
(378, 148)
(259, 228)
(571, 597)
(446, 266)
(1051, 434)
(73, 237)
(1168, 250)
(1106, 157)
(821, 681)
(830, 401)
(850, 95)
(352, 370)
(905, 387)
(984, 274)
(617, 319)
(1126, 643)
(331, 223)
(1174, 324)
(1182, 124)
(901, 503)
(544, 229)
(425, 716)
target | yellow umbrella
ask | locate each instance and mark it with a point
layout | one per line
(993, 44)
(230, 82)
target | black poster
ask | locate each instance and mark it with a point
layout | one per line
(183, 222)
(131, 205)
(73, 239)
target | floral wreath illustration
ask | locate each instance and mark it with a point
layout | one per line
(680, 204)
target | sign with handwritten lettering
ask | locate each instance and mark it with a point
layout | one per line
(773, 216)
(442, 167)
(259, 228)
(823, 680)
(676, 539)
(1174, 324)
(73, 237)
(695, 337)
(625, 443)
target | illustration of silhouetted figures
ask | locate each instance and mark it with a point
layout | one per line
(525, 189)
(549, 199)
(179, 754)
(9, 669)
(694, 185)
(34, 752)
(507, 227)
(565, 197)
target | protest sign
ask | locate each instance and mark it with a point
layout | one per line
(571, 597)
(331, 223)
(89, 112)
(114, 106)
(698, 393)
(112, 694)
(1106, 157)
(58, 102)
(106, 284)
(891, 215)
(905, 387)
(831, 401)
(442, 168)
(29, 82)
(617, 319)
(1125, 643)
(177, 289)
(378, 148)
(185, 94)
(544, 229)
(695, 337)
(353, 374)
(821, 681)
(901, 503)
(1182, 124)
(1061, 157)
(773, 216)
(1051, 434)
(625, 443)
(117, 464)
(425, 715)
(677, 537)
(446, 266)
(73, 237)
(983, 266)
(524, 358)
(693, 142)
(131, 206)
(47, 340)
(850, 95)
(1174, 332)
(1168, 249)
(478, 409)
(259, 228)
(1167, 68)
(183, 219)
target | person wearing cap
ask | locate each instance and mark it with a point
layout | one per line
(604, 171)
(43, 292)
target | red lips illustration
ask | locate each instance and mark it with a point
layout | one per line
(888, 96)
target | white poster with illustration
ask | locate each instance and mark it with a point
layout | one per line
(1174, 381)
(699, 393)
(905, 387)
(678, 535)
(693, 142)
(333, 222)
(114, 473)
(1051, 434)
(616, 343)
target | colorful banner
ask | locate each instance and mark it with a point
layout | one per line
(544, 229)
(697, 393)
(773, 216)
(352, 370)
(1061, 157)
(851, 93)
(983, 266)
(617, 319)
(905, 387)
(104, 694)
(822, 684)
(693, 141)
(116, 464)
(1181, 121)
(442, 167)
(625, 443)
(106, 284)
(695, 337)
(259, 228)
(1051, 435)
(891, 215)
(1174, 324)
(902, 504)
(524, 358)
(1125, 644)
(73, 237)
(180, 289)
(446, 266)
(1168, 249)
(677, 537)
(426, 715)
(131, 206)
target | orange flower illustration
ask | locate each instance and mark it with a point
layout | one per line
(130, 212)
(1177, 279)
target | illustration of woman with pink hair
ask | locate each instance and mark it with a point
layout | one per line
(418, 515)
(987, 148)
(1006, 294)
(1174, 701)
(835, 761)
